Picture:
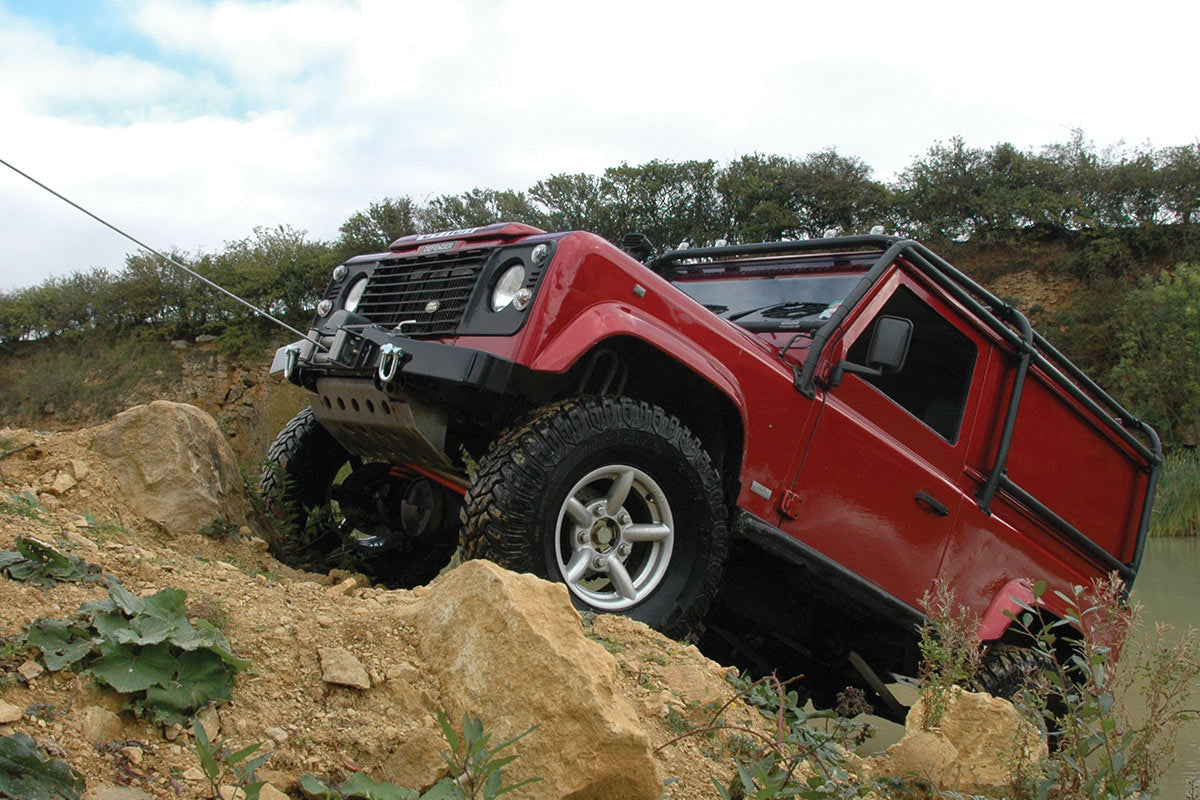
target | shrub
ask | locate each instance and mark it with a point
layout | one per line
(1104, 749)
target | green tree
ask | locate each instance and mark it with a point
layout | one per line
(671, 202)
(1158, 352)
(478, 207)
(758, 192)
(572, 202)
(835, 191)
(383, 222)
(941, 195)
(1179, 176)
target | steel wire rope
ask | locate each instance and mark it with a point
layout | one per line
(164, 257)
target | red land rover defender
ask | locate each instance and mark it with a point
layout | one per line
(776, 447)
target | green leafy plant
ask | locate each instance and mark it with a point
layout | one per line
(474, 765)
(220, 529)
(951, 652)
(104, 528)
(476, 771)
(28, 774)
(145, 649)
(225, 767)
(1103, 749)
(42, 564)
(804, 756)
(360, 786)
(23, 504)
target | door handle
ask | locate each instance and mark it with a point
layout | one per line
(934, 505)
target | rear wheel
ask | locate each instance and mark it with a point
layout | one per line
(613, 497)
(1006, 669)
(338, 510)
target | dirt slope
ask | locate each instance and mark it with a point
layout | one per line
(280, 619)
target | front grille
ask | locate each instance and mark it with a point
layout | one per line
(403, 288)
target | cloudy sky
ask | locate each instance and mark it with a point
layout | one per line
(192, 122)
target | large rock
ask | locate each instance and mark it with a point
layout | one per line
(510, 648)
(976, 746)
(173, 465)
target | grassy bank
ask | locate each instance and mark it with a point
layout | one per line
(1177, 506)
(86, 377)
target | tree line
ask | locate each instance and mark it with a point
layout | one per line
(1107, 211)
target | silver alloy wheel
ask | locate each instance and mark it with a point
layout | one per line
(614, 537)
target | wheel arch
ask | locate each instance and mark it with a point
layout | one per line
(645, 372)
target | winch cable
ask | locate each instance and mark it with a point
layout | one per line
(165, 258)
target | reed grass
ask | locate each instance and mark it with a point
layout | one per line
(1177, 503)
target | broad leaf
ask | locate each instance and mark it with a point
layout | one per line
(26, 774)
(361, 785)
(318, 789)
(61, 642)
(128, 668)
(200, 679)
(125, 600)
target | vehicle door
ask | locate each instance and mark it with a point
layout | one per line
(878, 487)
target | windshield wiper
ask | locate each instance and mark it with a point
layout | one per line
(791, 309)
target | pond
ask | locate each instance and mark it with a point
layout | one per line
(1168, 587)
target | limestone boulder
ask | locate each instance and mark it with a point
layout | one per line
(510, 648)
(974, 748)
(173, 465)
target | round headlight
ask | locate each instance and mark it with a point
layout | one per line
(355, 294)
(339, 272)
(508, 286)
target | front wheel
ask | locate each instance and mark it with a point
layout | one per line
(337, 510)
(613, 497)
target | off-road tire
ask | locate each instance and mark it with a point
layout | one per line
(514, 505)
(1007, 668)
(302, 464)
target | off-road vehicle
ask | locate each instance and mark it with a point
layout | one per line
(778, 447)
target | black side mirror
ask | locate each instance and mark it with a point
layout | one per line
(885, 353)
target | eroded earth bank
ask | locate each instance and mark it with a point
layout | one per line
(343, 676)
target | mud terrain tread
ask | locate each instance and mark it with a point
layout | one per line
(301, 433)
(499, 515)
(1006, 668)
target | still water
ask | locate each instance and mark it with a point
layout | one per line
(1168, 588)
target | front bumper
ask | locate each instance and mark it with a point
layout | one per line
(387, 397)
(355, 352)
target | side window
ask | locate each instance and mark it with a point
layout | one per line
(933, 384)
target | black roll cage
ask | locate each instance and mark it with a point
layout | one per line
(1007, 322)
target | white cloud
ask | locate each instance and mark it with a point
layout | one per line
(303, 111)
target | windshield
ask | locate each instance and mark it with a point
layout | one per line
(779, 302)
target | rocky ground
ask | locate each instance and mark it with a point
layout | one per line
(344, 676)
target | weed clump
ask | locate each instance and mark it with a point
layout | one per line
(476, 771)
(1104, 749)
(951, 652)
(23, 504)
(145, 649)
(41, 564)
